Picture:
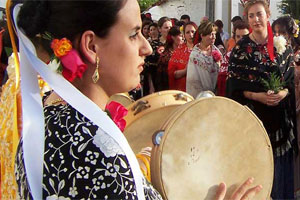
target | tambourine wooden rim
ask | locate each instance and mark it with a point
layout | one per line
(155, 101)
(157, 162)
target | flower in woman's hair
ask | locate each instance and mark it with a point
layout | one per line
(53, 65)
(61, 47)
(73, 66)
(116, 112)
(216, 55)
(280, 44)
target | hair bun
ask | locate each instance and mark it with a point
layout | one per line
(33, 17)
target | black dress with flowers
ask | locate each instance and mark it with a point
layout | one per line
(80, 161)
(248, 65)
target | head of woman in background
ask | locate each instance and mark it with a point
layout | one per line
(189, 30)
(206, 34)
(240, 28)
(258, 13)
(164, 26)
(174, 39)
(153, 31)
(287, 27)
(145, 28)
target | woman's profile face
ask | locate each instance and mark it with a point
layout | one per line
(210, 38)
(123, 51)
(164, 30)
(178, 39)
(189, 33)
(258, 18)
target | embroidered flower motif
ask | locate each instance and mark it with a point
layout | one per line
(91, 157)
(77, 138)
(280, 44)
(61, 47)
(111, 170)
(249, 49)
(216, 55)
(117, 111)
(97, 182)
(73, 191)
(83, 172)
(106, 144)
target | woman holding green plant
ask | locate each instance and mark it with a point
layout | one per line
(262, 77)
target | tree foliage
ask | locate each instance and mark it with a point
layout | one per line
(291, 7)
(145, 4)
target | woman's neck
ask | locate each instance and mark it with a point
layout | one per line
(260, 37)
(163, 39)
(190, 45)
(205, 47)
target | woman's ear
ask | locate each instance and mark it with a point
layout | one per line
(88, 46)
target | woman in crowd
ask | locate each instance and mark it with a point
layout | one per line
(204, 61)
(84, 153)
(174, 39)
(177, 66)
(145, 28)
(287, 27)
(164, 26)
(262, 78)
(149, 73)
(240, 29)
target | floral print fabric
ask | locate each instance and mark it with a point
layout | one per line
(202, 72)
(80, 161)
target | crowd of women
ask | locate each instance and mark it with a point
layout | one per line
(257, 67)
(98, 48)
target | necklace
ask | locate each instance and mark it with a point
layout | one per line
(55, 101)
(256, 41)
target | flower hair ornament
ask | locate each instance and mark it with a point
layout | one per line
(296, 29)
(65, 60)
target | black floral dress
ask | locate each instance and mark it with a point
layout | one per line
(80, 161)
(249, 64)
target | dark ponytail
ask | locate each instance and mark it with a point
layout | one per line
(69, 18)
(33, 17)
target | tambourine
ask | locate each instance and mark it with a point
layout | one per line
(146, 115)
(206, 142)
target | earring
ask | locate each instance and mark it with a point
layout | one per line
(95, 76)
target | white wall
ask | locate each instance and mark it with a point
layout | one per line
(175, 8)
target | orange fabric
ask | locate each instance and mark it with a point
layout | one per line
(231, 44)
(178, 61)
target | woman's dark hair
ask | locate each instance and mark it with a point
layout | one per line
(239, 25)
(218, 40)
(68, 18)
(153, 24)
(162, 20)
(287, 26)
(174, 31)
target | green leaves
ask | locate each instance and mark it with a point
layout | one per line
(274, 83)
(145, 4)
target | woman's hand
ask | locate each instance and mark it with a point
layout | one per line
(267, 98)
(180, 73)
(244, 192)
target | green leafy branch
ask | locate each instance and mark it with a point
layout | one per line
(274, 83)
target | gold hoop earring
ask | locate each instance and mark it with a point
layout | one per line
(95, 76)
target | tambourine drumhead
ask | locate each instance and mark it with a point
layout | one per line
(147, 115)
(122, 98)
(209, 141)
